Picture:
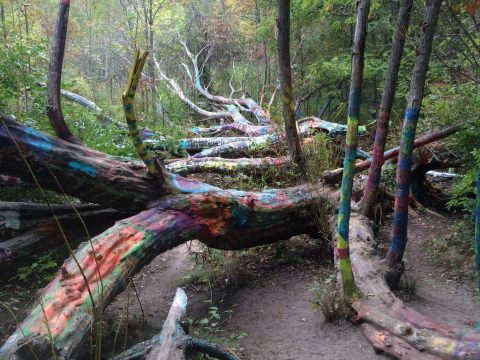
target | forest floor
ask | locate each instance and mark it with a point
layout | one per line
(260, 303)
(266, 300)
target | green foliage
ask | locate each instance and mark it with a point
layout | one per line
(464, 191)
(328, 300)
(43, 267)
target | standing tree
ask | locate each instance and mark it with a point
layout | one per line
(412, 113)
(477, 231)
(343, 251)
(371, 189)
(54, 106)
(285, 76)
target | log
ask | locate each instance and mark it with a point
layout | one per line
(7, 180)
(84, 173)
(385, 315)
(46, 234)
(225, 166)
(172, 343)
(221, 219)
(19, 217)
(333, 176)
(244, 147)
(239, 125)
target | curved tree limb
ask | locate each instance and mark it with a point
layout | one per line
(54, 106)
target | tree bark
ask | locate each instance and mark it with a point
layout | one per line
(412, 113)
(54, 106)
(392, 326)
(374, 176)
(285, 77)
(477, 231)
(349, 288)
(46, 233)
(84, 173)
(221, 219)
(19, 217)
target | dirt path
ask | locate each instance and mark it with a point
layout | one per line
(274, 309)
(437, 296)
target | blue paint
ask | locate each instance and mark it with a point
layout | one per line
(85, 168)
(354, 105)
(196, 187)
(38, 140)
(398, 244)
(412, 114)
(184, 144)
(405, 163)
(401, 219)
(402, 189)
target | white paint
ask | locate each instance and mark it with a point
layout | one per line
(9, 220)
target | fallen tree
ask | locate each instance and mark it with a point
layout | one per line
(173, 211)
(173, 342)
(48, 233)
(333, 176)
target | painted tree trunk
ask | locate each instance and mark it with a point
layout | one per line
(225, 166)
(477, 231)
(391, 325)
(412, 113)
(240, 124)
(46, 233)
(333, 176)
(84, 173)
(371, 189)
(285, 77)
(54, 106)
(234, 147)
(221, 219)
(349, 288)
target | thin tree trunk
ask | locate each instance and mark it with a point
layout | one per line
(2, 18)
(54, 107)
(285, 77)
(477, 231)
(373, 183)
(349, 287)
(412, 113)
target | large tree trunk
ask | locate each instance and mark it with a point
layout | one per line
(371, 189)
(285, 76)
(349, 288)
(412, 113)
(392, 326)
(82, 172)
(221, 219)
(54, 106)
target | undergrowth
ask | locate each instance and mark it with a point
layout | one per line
(455, 251)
